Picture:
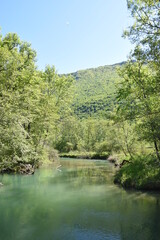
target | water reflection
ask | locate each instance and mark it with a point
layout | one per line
(80, 202)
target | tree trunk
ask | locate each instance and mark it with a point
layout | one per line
(157, 151)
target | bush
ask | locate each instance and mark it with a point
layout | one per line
(141, 173)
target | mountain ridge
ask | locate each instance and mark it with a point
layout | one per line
(91, 68)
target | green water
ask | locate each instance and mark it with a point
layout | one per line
(80, 202)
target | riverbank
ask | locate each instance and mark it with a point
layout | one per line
(19, 167)
(140, 174)
(85, 155)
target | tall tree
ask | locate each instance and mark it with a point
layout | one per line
(30, 101)
(138, 94)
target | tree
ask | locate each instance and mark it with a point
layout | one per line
(16, 76)
(138, 94)
(145, 31)
(31, 102)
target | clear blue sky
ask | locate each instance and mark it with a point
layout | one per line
(70, 34)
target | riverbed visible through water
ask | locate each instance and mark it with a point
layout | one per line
(76, 201)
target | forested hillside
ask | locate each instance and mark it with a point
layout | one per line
(95, 90)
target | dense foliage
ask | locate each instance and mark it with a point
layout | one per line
(31, 102)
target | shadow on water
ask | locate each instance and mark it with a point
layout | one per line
(78, 202)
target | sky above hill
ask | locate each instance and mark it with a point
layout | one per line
(70, 34)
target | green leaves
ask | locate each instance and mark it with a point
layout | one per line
(30, 101)
(138, 93)
(145, 31)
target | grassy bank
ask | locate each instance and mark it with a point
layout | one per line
(142, 173)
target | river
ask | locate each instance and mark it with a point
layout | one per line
(77, 201)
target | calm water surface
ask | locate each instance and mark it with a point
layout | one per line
(80, 202)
